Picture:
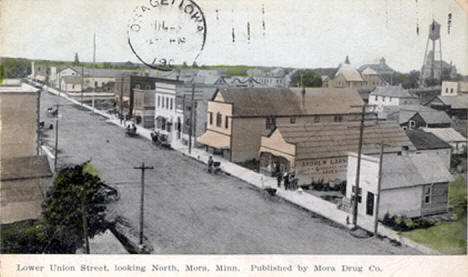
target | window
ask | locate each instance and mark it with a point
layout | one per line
(73, 86)
(167, 102)
(270, 123)
(412, 124)
(338, 118)
(162, 104)
(292, 120)
(171, 105)
(211, 118)
(95, 84)
(446, 90)
(137, 86)
(159, 101)
(317, 118)
(147, 87)
(226, 122)
(219, 118)
(359, 194)
(451, 90)
(427, 194)
(390, 99)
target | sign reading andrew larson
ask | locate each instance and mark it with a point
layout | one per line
(328, 169)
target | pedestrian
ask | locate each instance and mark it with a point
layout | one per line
(210, 164)
(294, 181)
(279, 178)
(286, 181)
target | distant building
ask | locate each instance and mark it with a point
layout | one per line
(411, 185)
(347, 76)
(318, 151)
(390, 96)
(450, 136)
(452, 88)
(71, 83)
(429, 144)
(455, 106)
(421, 116)
(143, 108)
(124, 91)
(39, 72)
(237, 118)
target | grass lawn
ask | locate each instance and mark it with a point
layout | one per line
(446, 237)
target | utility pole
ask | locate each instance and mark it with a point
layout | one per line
(94, 66)
(84, 217)
(38, 121)
(191, 118)
(121, 98)
(379, 184)
(142, 199)
(56, 138)
(358, 169)
(195, 124)
(82, 83)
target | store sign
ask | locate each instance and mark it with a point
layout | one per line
(326, 169)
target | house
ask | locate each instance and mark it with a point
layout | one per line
(450, 136)
(449, 88)
(347, 76)
(372, 79)
(455, 106)
(19, 119)
(24, 184)
(429, 144)
(378, 72)
(416, 116)
(319, 151)
(411, 185)
(390, 96)
(39, 72)
(239, 117)
(71, 83)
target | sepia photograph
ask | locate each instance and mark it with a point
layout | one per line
(232, 127)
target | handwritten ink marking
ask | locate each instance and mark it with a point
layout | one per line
(233, 36)
(248, 31)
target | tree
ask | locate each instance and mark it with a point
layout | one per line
(63, 208)
(310, 79)
(77, 61)
(407, 80)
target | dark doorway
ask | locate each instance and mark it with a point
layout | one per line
(370, 203)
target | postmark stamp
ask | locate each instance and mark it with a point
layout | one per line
(163, 33)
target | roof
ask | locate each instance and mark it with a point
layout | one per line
(392, 91)
(282, 101)
(446, 134)
(380, 68)
(16, 86)
(330, 139)
(456, 101)
(24, 168)
(349, 72)
(214, 139)
(413, 169)
(424, 141)
(72, 79)
(429, 115)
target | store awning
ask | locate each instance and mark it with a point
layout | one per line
(215, 140)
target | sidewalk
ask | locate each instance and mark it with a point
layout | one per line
(304, 200)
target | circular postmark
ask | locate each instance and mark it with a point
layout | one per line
(162, 33)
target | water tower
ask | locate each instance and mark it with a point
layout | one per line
(432, 68)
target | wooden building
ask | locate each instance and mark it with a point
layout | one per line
(319, 151)
(237, 118)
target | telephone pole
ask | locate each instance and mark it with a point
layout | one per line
(358, 169)
(82, 84)
(84, 217)
(191, 118)
(94, 66)
(142, 199)
(56, 138)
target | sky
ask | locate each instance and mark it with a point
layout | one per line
(297, 33)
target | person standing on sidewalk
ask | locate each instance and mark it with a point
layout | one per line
(279, 178)
(286, 181)
(210, 164)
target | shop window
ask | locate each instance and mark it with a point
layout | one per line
(219, 118)
(226, 122)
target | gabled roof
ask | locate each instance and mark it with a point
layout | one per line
(349, 73)
(336, 139)
(282, 101)
(391, 91)
(446, 134)
(429, 115)
(425, 141)
(455, 102)
(413, 169)
(24, 168)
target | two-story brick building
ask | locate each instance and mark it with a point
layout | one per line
(238, 117)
